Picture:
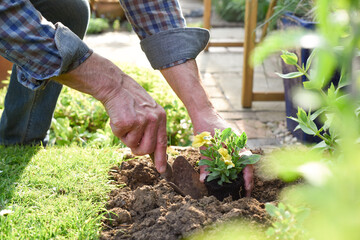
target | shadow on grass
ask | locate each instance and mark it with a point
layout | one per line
(13, 161)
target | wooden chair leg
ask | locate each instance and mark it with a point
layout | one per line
(249, 45)
(269, 13)
(207, 18)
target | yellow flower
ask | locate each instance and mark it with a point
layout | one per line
(229, 162)
(202, 139)
(225, 156)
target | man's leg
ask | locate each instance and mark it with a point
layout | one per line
(27, 114)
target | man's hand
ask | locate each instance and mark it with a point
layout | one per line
(135, 117)
(185, 80)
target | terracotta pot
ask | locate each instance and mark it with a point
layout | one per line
(5, 66)
(110, 9)
(236, 189)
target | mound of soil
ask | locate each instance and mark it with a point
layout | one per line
(146, 207)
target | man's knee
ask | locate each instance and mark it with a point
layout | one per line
(74, 14)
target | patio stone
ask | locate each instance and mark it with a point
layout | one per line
(267, 116)
(237, 115)
(214, 91)
(263, 143)
(254, 129)
(220, 104)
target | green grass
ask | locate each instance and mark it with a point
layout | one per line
(60, 192)
(54, 193)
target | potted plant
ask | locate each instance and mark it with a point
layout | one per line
(225, 157)
(295, 14)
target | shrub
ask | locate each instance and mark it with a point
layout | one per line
(97, 25)
(234, 10)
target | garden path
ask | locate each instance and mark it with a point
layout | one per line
(221, 69)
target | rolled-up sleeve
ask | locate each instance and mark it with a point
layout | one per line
(39, 49)
(161, 27)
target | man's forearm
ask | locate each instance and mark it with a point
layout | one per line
(97, 77)
(185, 80)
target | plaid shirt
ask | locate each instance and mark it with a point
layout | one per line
(161, 15)
(42, 50)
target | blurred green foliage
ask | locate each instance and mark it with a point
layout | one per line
(331, 187)
(301, 8)
(234, 10)
(97, 25)
(288, 222)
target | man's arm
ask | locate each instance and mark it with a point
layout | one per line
(171, 47)
(42, 50)
(185, 80)
(135, 117)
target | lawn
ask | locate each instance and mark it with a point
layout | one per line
(54, 192)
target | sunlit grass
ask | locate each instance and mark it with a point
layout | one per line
(57, 192)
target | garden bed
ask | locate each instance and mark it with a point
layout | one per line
(146, 207)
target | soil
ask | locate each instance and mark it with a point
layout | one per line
(146, 207)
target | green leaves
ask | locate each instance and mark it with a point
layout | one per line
(288, 221)
(205, 162)
(225, 134)
(252, 159)
(307, 125)
(289, 58)
(290, 75)
(224, 161)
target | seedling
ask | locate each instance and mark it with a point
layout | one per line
(223, 154)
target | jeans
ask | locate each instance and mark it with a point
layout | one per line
(27, 114)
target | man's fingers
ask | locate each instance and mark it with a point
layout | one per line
(133, 138)
(203, 173)
(148, 142)
(248, 174)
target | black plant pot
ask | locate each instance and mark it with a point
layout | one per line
(236, 189)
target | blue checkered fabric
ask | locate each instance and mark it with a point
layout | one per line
(27, 39)
(149, 17)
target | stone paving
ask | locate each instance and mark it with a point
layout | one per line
(221, 70)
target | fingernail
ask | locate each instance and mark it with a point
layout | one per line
(202, 177)
(162, 169)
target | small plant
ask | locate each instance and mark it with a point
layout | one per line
(307, 120)
(223, 151)
(287, 223)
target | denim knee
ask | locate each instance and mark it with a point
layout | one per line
(74, 14)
